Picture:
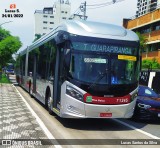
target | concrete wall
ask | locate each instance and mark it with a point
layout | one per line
(153, 37)
(152, 54)
(144, 20)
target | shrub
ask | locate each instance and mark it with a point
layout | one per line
(152, 64)
(4, 79)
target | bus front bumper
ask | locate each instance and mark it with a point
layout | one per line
(73, 108)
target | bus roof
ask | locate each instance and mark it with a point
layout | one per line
(97, 29)
(88, 28)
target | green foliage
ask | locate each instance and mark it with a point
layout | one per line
(3, 34)
(152, 64)
(8, 46)
(4, 79)
(143, 41)
(12, 61)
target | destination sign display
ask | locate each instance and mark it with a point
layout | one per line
(129, 58)
(94, 60)
(104, 48)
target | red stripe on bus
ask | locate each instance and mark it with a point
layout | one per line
(107, 100)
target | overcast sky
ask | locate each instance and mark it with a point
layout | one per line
(24, 27)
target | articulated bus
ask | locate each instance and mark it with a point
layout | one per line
(83, 69)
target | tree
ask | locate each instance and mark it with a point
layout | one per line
(3, 34)
(143, 40)
(150, 64)
(8, 45)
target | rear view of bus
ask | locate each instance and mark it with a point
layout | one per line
(99, 71)
(9, 68)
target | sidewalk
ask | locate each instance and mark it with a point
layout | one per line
(16, 120)
(12, 79)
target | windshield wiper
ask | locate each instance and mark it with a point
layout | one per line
(98, 79)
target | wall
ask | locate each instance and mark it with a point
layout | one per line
(152, 54)
(153, 37)
(145, 19)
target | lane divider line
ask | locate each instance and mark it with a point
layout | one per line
(40, 122)
(134, 128)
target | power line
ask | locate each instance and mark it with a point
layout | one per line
(83, 7)
(101, 3)
(105, 4)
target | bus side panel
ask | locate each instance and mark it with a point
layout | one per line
(22, 70)
(42, 69)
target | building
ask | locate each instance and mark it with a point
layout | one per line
(146, 6)
(50, 17)
(149, 26)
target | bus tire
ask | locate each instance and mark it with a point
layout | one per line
(49, 104)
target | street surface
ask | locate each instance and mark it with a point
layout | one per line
(12, 79)
(94, 128)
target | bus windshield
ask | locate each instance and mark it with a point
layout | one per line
(118, 66)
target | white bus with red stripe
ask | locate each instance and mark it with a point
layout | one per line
(83, 69)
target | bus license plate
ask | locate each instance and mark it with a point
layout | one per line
(158, 114)
(105, 114)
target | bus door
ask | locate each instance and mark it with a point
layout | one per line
(58, 80)
(34, 73)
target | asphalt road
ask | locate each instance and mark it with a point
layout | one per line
(94, 128)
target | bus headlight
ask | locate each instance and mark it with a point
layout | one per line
(74, 93)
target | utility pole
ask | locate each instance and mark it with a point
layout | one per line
(83, 9)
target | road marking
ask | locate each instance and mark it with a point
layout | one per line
(134, 128)
(40, 122)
